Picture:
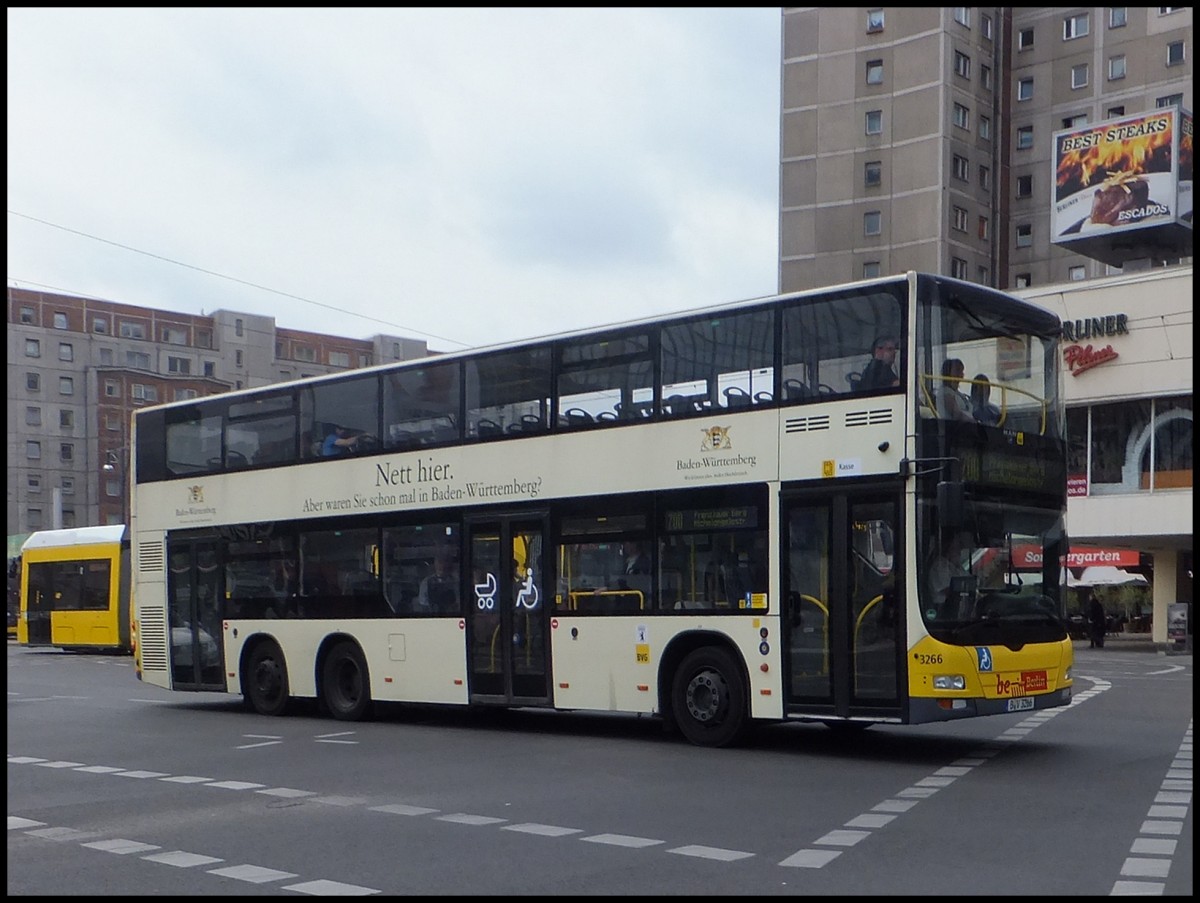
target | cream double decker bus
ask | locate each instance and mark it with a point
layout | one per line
(707, 516)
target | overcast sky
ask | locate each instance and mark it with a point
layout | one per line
(459, 176)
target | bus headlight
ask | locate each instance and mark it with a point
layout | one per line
(949, 682)
(1067, 675)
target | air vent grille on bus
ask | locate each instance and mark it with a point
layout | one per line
(150, 557)
(806, 424)
(152, 639)
(868, 418)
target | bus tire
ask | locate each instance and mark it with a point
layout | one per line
(266, 680)
(708, 698)
(345, 683)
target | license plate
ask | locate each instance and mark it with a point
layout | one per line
(1020, 704)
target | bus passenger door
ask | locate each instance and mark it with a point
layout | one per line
(506, 630)
(843, 619)
(194, 586)
(39, 602)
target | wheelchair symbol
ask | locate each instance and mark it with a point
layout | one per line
(528, 596)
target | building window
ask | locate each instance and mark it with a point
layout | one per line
(960, 219)
(33, 382)
(1171, 100)
(66, 385)
(985, 26)
(180, 365)
(1114, 112)
(204, 338)
(1025, 137)
(1116, 67)
(34, 483)
(141, 392)
(132, 330)
(238, 358)
(1175, 54)
(958, 268)
(1025, 88)
(68, 485)
(985, 228)
(1079, 76)
(874, 72)
(112, 421)
(1116, 17)
(961, 167)
(1076, 273)
(66, 451)
(33, 348)
(112, 488)
(1024, 280)
(962, 64)
(962, 15)
(1025, 235)
(985, 128)
(112, 389)
(100, 325)
(985, 177)
(364, 359)
(1025, 186)
(66, 351)
(174, 336)
(871, 270)
(1025, 39)
(874, 127)
(1072, 122)
(339, 358)
(238, 327)
(27, 316)
(874, 21)
(872, 222)
(210, 368)
(33, 416)
(985, 77)
(302, 353)
(106, 356)
(33, 450)
(66, 419)
(33, 517)
(184, 394)
(138, 360)
(1075, 26)
(962, 117)
(60, 320)
(983, 275)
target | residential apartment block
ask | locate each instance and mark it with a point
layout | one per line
(921, 138)
(78, 367)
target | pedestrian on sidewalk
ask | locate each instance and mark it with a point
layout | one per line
(1097, 620)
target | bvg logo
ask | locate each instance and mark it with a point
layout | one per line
(195, 494)
(715, 438)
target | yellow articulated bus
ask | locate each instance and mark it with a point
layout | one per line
(780, 509)
(75, 590)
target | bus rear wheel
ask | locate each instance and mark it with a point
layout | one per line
(345, 683)
(708, 698)
(266, 686)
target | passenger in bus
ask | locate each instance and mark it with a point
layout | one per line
(880, 371)
(339, 442)
(949, 561)
(981, 406)
(636, 560)
(953, 404)
(439, 590)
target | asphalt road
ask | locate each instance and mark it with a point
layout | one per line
(115, 787)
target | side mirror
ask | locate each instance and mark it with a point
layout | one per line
(951, 505)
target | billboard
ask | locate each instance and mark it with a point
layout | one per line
(1127, 175)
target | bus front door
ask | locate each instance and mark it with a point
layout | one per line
(843, 621)
(506, 630)
(194, 586)
(39, 602)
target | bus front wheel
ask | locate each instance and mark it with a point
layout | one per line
(345, 683)
(266, 687)
(708, 698)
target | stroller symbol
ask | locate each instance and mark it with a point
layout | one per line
(485, 593)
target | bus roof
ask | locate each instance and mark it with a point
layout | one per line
(74, 536)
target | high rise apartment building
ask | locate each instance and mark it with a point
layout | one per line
(921, 138)
(78, 367)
